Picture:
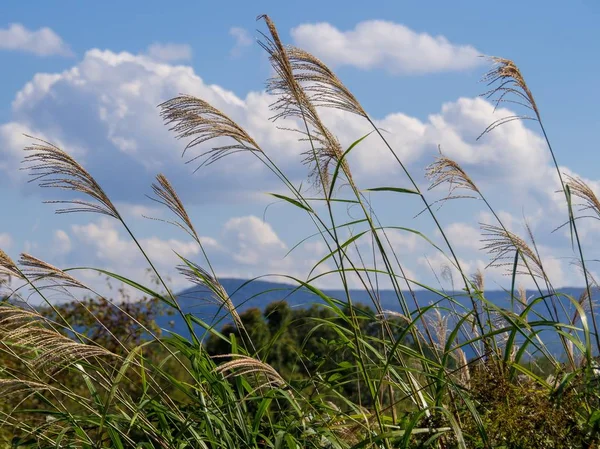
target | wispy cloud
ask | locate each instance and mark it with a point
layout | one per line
(242, 40)
(42, 42)
(5, 240)
(379, 44)
(169, 52)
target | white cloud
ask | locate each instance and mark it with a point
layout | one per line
(511, 153)
(379, 44)
(464, 236)
(255, 241)
(104, 109)
(104, 237)
(96, 110)
(5, 241)
(62, 242)
(242, 40)
(170, 52)
(42, 42)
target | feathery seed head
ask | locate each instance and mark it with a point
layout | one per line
(53, 167)
(583, 191)
(199, 276)
(323, 87)
(242, 365)
(445, 170)
(167, 196)
(511, 88)
(292, 68)
(502, 244)
(478, 280)
(50, 349)
(194, 118)
(7, 266)
(37, 270)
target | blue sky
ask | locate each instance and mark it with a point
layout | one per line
(88, 76)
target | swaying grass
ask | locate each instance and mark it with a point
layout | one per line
(445, 375)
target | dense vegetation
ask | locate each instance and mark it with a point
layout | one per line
(91, 372)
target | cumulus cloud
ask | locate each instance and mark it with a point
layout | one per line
(379, 44)
(112, 248)
(170, 52)
(256, 241)
(464, 236)
(41, 42)
(246, 247)
(242, 40)
(104, 109)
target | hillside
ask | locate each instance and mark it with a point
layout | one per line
(260, 293)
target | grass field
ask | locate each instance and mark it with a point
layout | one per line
(461, 372)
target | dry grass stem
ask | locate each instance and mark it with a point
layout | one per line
(195, 118)
(55, 168)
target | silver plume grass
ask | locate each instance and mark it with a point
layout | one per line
(447, 171)
(38, 270)
(199, 276)
(509, 86)
(55, 168)
(167, 196)
(243, 365)
(583, 191)
(296, 102)
(194, 118)
(7, 266)
(502, 245)
(49, 350)
(323, 86)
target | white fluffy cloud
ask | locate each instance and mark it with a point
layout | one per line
(255, 241)
(463, 235)
(42, 42)
(104, 109)
(379, 44)
(246, 247)
(170, 52)
(242, 40)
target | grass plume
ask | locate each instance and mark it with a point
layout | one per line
(55, 168)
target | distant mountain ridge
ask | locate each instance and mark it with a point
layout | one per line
(259, 293)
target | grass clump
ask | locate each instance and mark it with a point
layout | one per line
(461, 372)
